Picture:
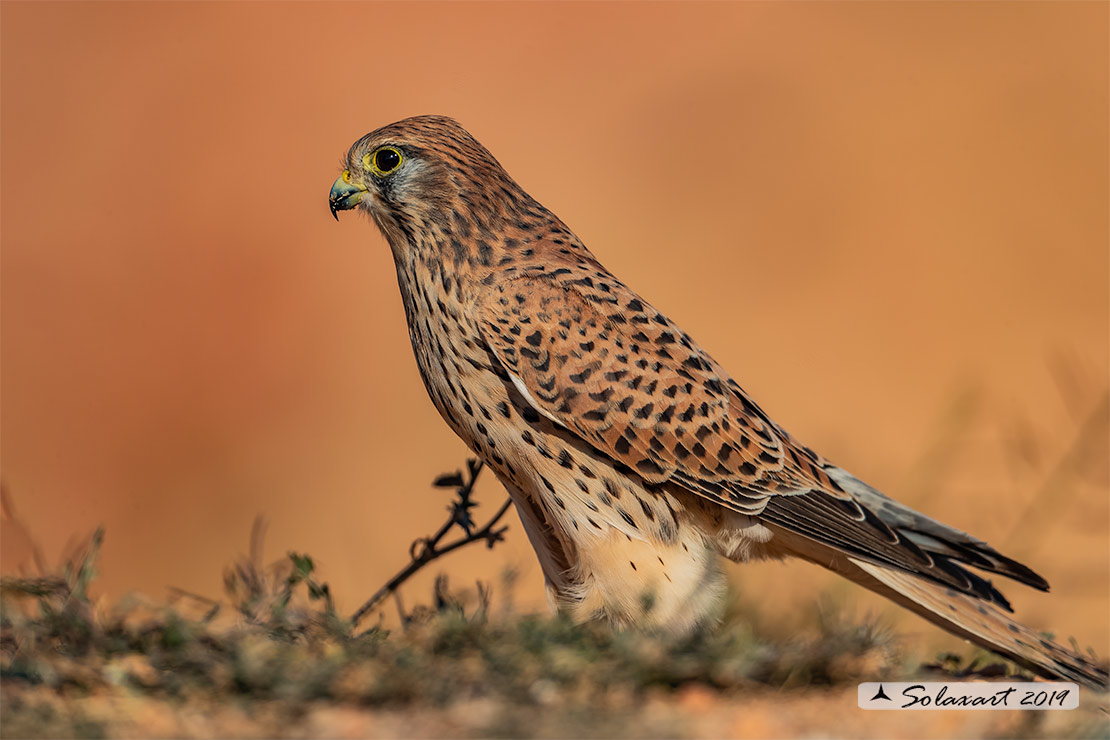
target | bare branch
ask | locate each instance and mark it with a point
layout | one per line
(427, 549)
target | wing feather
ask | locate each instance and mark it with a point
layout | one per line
(596, 359)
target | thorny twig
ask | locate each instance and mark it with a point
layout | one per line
(427, 549)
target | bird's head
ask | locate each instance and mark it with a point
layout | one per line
(429, 185)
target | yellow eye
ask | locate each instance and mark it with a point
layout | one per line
(383, 161)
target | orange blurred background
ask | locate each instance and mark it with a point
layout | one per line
(889, 220)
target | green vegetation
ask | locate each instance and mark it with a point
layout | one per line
(287, 643)
(276, 659)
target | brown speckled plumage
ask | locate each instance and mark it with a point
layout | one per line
(633, 458)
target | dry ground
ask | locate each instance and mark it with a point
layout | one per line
(276, 660)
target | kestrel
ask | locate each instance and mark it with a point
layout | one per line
(633, 458)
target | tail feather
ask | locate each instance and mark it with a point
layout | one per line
(966, 615)
(933, 537)
(982, 623)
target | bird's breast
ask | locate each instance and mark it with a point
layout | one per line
(455, 365)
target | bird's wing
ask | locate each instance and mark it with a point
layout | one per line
(593, 357)
(638, 391)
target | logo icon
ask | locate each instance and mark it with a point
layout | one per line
(880, 694)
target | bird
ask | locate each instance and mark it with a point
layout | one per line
(633, 458)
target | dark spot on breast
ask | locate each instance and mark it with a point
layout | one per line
(625, 516)
(485, 252)
(458, 250)
(587, 472)
(612, 488)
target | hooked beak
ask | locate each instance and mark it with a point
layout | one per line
(344, 194)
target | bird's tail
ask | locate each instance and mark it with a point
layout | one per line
(978, 621)
(969, 616)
